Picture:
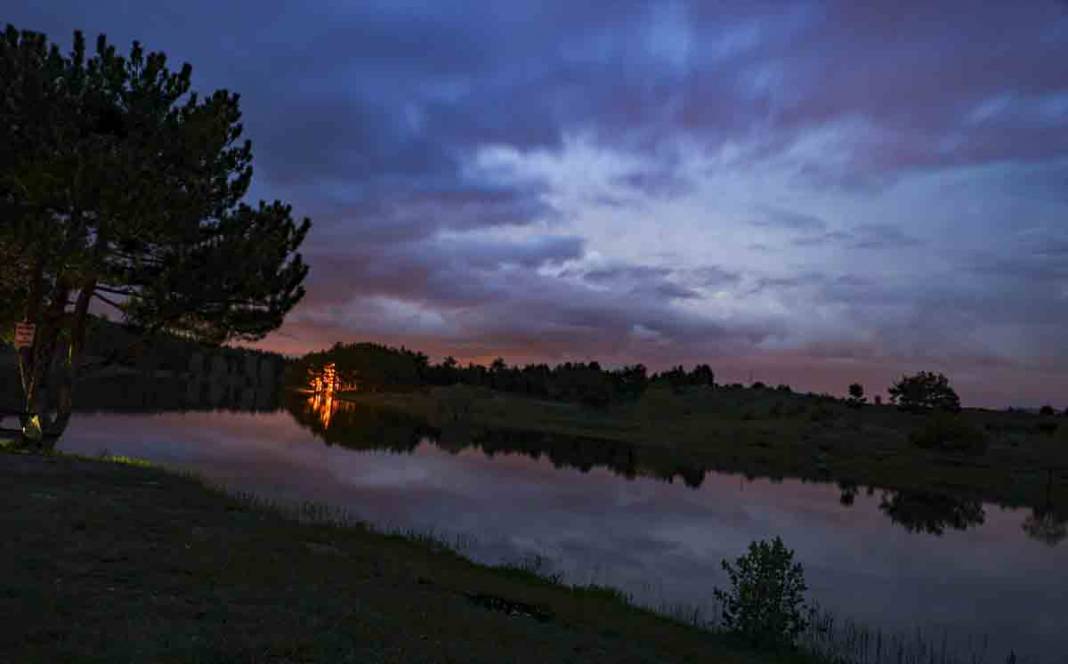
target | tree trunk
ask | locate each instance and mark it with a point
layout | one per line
(35, 363)
(27, 361)
(72, 365)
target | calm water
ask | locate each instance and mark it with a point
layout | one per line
(662, 541)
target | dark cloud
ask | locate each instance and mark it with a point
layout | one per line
(711, 276)
(863, 236)
(790, 220)
(485, 296)
(366, 115)
(616, 273)
(660, 282)
(403, 216)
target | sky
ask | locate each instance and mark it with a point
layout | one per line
(811, 193)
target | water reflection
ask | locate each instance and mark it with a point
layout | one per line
(931, 512)
(660, 541)
(338, 422)
(1047, 523)
(366, 428)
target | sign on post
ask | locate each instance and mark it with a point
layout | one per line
(24, 334)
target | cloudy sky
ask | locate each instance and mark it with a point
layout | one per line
(804, 192)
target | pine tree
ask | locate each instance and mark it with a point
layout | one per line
(120, 184)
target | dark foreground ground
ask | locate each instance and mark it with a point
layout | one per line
(104, 561)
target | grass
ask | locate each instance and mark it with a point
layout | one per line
(837, 640)
(116, 561)
(1020, 459)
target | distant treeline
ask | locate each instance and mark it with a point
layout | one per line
(375, 367)
(125, 369)
(111, 346)
(372, 367)
(112, 343)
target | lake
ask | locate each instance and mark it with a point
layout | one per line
(970, 574)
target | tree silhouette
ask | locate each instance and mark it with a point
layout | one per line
(1047, 526)
(856, 395)
(931, 512)
(924, 391)
(120, 184)
(848, 492)
(1047, 523)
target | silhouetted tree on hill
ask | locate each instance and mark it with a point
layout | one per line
(679, 379)
(702, 374)
(856, 395)
(924, 391)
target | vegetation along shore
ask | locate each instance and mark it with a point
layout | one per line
(685, 420)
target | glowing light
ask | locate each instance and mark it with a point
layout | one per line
(324, 385)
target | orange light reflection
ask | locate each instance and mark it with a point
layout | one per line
(325, 384)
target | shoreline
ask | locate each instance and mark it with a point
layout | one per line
(122, 560)
(815, 440)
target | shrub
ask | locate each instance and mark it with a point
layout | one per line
(950, 433)
(1046, 411)
(765, 601)
(821, 413)
(1047, 427)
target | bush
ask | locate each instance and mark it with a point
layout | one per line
(1046, 411)
(951, 433)
(765, 601)
(1047, 427)
(821, 413)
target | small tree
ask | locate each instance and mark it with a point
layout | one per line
(765, 601)
(856, 395)
(1047, 411)
(924, 391)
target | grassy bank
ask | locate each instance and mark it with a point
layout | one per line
(1023, 460)
(116, 562)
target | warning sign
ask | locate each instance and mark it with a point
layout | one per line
(24, 334)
